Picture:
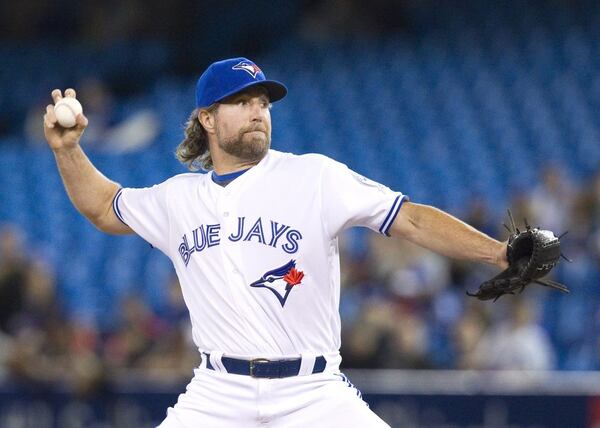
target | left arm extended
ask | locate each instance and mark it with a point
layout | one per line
(444, 234)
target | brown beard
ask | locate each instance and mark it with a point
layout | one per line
(249, 151)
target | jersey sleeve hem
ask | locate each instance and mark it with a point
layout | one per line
(391, 216)
(116, 209)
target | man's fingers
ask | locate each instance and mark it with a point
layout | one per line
(47, 123)
(81, 121)
(50, 117)
(70, 93)
(56, 95)
(50, 113)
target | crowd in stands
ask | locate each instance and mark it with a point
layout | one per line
(40, 346)
(466, 99)
(404, 307)
(401, 307)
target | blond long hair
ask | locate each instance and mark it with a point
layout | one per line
(194, 151)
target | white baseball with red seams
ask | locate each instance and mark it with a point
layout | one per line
(258, 259)
(66, 110)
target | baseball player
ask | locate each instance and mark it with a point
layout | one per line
(254, 244)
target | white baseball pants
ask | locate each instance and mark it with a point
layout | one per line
(221, 400)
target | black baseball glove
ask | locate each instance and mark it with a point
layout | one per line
(531, 255)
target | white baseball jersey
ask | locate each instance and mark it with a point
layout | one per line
(258, 259)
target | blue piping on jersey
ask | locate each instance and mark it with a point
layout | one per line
(226, 178)
(391, 216)
(116, 206)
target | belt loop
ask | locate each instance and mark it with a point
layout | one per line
(205, 363)
(215, 360)
(307, 364)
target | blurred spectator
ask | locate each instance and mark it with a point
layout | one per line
(521, 208)
(13, 275)
(174, 354)
(388, 335)
(43, 357)
(109, 129)
(131, 341)
(410, 270)
(467, 334)
(516, 343)
(98, 106)
(113, 131)
(426, 275)
(39, 306)
(361, 288)
(33, 126)
(592, 208)
(360, 284)
(479, 216)
(551, 201)
(46, 348)
(379, 329)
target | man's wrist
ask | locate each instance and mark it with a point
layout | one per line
(501, 256)
(67, 149)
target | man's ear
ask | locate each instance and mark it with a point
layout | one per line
(207, 120)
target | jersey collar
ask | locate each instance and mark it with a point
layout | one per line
(225, 179)
(236, 181)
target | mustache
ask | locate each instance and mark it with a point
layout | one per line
(260, 128)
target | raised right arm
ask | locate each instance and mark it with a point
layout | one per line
(89, 190)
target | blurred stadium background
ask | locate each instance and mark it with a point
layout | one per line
(472, 106)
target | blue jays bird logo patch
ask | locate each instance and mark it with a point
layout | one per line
(280, 280)
(248, 67)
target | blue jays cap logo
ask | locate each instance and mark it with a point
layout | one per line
(230, 76)
(249, 67)
(280, 280)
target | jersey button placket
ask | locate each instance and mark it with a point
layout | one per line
(229, 226)
(224, 207)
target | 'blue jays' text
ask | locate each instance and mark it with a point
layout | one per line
(272, 234)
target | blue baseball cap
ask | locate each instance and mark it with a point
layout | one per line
(229, 76)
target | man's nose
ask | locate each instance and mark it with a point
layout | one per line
(257, 110)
